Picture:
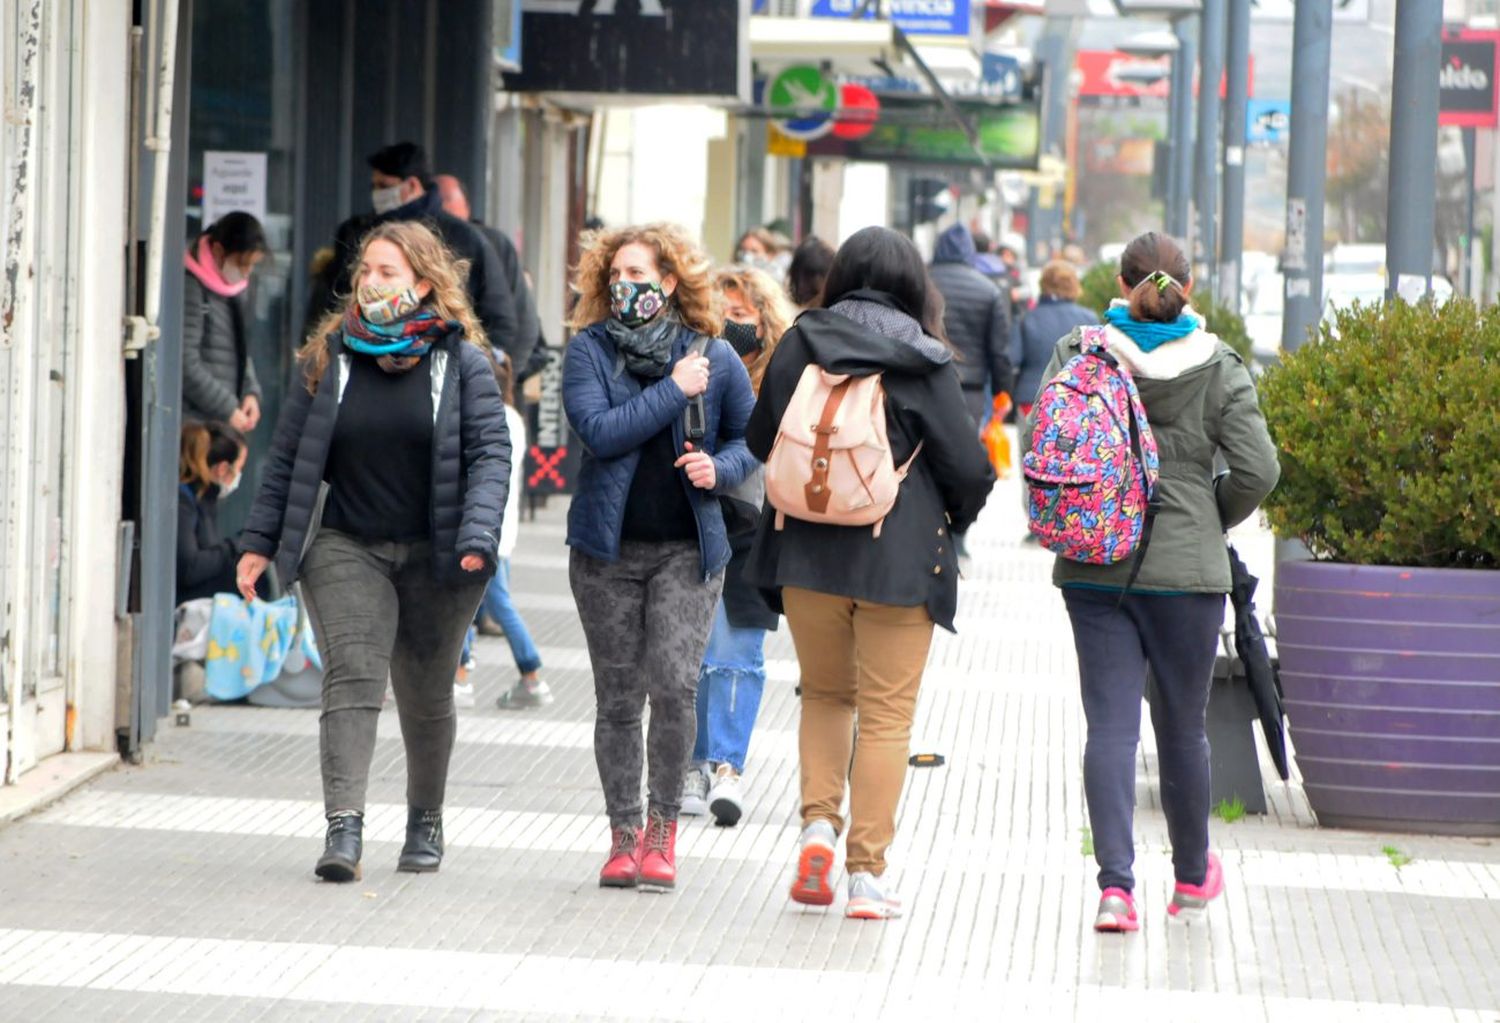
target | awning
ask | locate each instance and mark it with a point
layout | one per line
(850, 46)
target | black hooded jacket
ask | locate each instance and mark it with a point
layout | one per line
(976, 315)
(912, 562)
(489, 290)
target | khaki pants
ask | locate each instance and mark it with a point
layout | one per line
(866, 659)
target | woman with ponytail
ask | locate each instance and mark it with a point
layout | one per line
(209, 466)
(399, 416)
(1203, 411)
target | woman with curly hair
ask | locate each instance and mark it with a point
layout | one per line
(646, 529)
(733, 675)
(399, 416)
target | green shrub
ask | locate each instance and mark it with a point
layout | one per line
(1388, 427)
(1099, 288)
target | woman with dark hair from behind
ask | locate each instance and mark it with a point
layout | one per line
(218, 378)
(1200, 401)
(862, 606)
(209, 466)
(810, 263)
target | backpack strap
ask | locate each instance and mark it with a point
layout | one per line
(1153, 503)
(695, 418)
(816, 488)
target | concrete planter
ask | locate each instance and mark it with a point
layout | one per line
(1392, 683)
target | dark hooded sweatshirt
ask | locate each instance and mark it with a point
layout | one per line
(976, 315)
(912, 562)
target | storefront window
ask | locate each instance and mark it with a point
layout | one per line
(245, 89)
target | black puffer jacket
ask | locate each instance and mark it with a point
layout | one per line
(217, 374)
(976, 315)
(528, 326)
(489, 291)
(205, 560)
(912, 562)
(470, 462)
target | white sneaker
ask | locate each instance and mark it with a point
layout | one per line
(724, 798)
(463, 695)
(869, 900)
(694, 792)
(815, 856)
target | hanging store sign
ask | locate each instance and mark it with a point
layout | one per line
(1467, 83)
(804, 98)
(914, 17)
(644, 48)
(1009, 137)
(553, 457)
(1110, 78)
(1268, 120)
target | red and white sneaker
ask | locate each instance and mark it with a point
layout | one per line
(815, 865)
(1116, 912)
(623, 868)
(1190, 900)
(869, 899)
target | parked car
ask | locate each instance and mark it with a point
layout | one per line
(1263, 309)
(1355, 260)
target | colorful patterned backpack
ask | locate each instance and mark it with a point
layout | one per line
(1092, 466)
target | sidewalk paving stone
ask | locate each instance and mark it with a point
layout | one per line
(182, 889)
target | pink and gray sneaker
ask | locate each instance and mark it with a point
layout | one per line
(1116, 912)
(1190, 900)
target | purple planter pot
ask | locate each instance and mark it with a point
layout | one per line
(1392, 684)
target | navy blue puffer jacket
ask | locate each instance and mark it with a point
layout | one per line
(470, 462)
(614, 416)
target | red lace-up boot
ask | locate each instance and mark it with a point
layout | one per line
(659, 857)
(623, 868)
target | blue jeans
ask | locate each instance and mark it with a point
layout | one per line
(497, 605)
(730, 684)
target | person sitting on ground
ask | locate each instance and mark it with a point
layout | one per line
(210, 464)
(1203, 411)
(218, 375)
(733, 676)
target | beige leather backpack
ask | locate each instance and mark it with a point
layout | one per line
(832, 461)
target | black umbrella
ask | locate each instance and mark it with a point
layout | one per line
(1260, 672)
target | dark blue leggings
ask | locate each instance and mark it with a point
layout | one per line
(1178, 637)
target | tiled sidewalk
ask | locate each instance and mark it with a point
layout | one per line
(183, 889)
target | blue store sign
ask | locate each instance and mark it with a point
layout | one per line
(916, 17)
(1268, 120)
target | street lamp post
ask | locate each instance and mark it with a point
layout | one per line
(1236, 100)
(1210, 72)
(1302, 256)
(1180, 132)
(1411, 204)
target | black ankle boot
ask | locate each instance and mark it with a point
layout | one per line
(342, 848)
(423, 852)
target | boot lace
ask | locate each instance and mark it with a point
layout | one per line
(624, 842)
(657, 835)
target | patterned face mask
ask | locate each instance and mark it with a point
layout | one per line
(382, 304)
(636, 302)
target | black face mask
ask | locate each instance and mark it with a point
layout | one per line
(743, 337)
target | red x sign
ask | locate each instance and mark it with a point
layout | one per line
(546, 467)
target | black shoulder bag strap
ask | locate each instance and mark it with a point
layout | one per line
(695, 419)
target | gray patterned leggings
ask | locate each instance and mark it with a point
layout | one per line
(646, 619)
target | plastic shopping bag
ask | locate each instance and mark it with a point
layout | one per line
(996, 440)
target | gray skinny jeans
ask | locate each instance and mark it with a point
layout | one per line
(646, 618)
(378, 610)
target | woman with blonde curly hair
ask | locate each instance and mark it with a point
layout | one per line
(647, 532)
(400, 417)
(733, 674)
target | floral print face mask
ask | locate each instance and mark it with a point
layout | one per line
(636, 302)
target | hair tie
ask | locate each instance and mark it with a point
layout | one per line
(1163, 280)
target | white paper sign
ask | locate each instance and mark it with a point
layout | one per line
(233, 181)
